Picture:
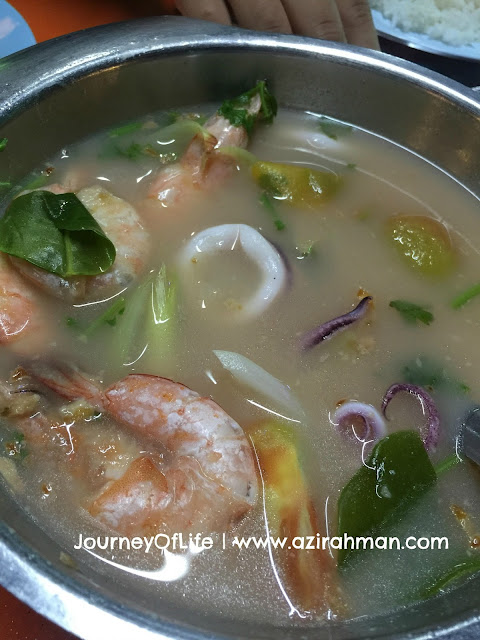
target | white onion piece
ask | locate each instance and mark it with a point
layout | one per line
(225, 237)
(374, 423)
(253, 376)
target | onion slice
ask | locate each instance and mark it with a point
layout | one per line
(330, 328)
(253, 376)
(430, 438)
(374, 424)
(225, 237)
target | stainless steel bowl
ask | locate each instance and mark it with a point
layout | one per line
(60, 91)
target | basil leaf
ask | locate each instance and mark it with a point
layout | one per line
(412, 312)
(396, 475)
(56, 233)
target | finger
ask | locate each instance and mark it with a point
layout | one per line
(358, 23)
(212, 10)
(315, 18)
(264, 15)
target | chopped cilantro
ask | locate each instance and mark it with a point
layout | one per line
(466, 296)
(306, 250)
(135, 150)
(236, 110)
(351, 166)
(17, 447)
(333, 128)
(108, 317)
(412, 312)
(126, 129)
(427, 373)
(267, 202)
(36, 183)
(3, 143)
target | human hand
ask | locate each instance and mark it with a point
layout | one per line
(340, 20)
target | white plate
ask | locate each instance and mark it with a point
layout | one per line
(15, 34)
(386, 28)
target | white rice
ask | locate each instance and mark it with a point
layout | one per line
(455, 22)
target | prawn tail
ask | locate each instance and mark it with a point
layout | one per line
(67, 382)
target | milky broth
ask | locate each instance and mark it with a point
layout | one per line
(351, 258)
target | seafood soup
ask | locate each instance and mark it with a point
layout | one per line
(237, 351)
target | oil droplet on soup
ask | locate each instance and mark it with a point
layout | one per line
(82, 447)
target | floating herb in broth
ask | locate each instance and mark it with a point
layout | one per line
(294, 188)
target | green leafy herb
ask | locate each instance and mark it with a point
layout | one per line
(267, 202)
(236, 110)
(36, 183)
(461, 570)
(56, 233)
(411, 312)
(397, 474)
(351, 165)
(72, 323)
(427, 373)
(125, 129)
(3, 143)
(447, 463)
(466, 296)
(306, 250)
(5, 184)
(17, 447)
(107, 317)
(333, 128)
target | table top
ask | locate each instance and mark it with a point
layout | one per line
(51, 18)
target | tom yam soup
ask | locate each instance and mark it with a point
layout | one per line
(237, 350)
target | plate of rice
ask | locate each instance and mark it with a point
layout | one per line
(445, 27)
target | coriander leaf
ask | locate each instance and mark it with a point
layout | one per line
(306, 250)
(17, 447)
(268, 204)
(461, 570)
(412, 312)
(3, 143)
(125, 129)
(447, 463)
(396, 475)
(426, 372)
(236, 110)
(107, 317)
(56, 233)
(351, 166)
(333, 128)
(35, 183)
(466, 296)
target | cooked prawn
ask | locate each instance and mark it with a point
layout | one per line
(211, 480)
(122, 225)
(202, 166)
(23, 325)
